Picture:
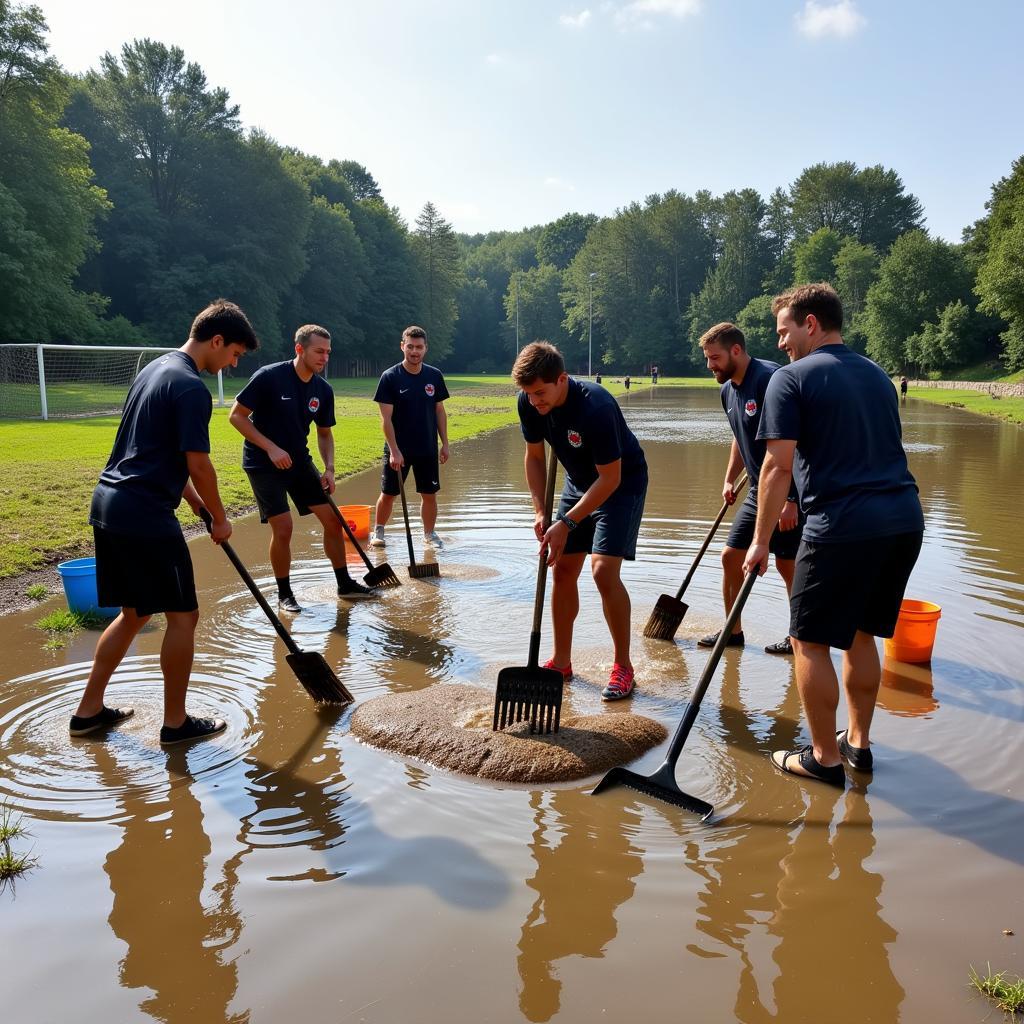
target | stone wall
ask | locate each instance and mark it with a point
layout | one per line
(1003, 390)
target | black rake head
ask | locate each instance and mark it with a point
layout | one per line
(382, 576)
(318, 678)
(533, 695)
(645, 784)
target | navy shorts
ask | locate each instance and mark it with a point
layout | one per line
(839, 589)
(424, 468)
(784, 543)
(273, 487)
(611, 529)
(149, 574)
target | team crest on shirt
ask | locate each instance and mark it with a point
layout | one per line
(751, 407)
(429, 388)
(574, 438)
(314, 404)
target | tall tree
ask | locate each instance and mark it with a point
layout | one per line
(562, 239)
(437, 252)
(814, 257)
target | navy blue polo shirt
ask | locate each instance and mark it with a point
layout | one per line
(414, 398)
(166, 414)
(588, 430)
(850, 466)
(283, 407)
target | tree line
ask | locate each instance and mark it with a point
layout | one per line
(130, 195)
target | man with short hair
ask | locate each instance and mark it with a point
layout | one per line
(273, 412)
(143, 565)
(602, 500)
(831, 419)
(411, 397)
(744, 381)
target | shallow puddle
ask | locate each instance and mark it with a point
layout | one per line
(286, 871)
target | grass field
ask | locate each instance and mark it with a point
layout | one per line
(1009, 409)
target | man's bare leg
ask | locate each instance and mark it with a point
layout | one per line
(382, 513)
(615, 602)
(176, 655)
(862, 675)
(281, 544)
(428, 513)
(819, 693)
(565, 605)
(111, 648)
(732, 580)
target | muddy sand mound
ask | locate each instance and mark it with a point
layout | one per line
(450, 726)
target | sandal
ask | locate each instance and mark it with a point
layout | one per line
(833, 775)
(857, 757)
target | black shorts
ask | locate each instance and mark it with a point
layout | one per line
(611, 529)
(839, 589)
(424, 468)
(273, 487)
(784, 543)
(149, 574)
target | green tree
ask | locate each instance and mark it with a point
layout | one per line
(539, 303)
(757, 322)
(814, 257)
(25, 66)
(359, 179)
(562, 239)
(437, 252)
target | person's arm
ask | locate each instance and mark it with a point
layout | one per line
(386, 410)
(772, 490)
(239, 419)
(732, 471)
(442, 430)
(536, 481)
(204, 481)
(325, 442)
(609, 476)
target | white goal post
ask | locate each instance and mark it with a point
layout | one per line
(63, 381)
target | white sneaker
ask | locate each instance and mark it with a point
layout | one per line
(377, 540)
(431, 540)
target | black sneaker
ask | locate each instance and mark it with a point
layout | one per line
(736, 640)
(288, 603)
(784, 646)
(82, 726)
(351, 589)
(860, 758)
(192, 729)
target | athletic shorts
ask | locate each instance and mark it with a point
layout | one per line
(839, 589)
(424, 468)
(784, 543)
(273, 487)
(149, 574)
(611, 529)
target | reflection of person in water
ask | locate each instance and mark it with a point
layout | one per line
(585, 871)
(175, 944)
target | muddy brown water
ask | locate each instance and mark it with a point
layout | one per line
(287, 872)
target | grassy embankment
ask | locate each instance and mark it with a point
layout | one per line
(990, 372)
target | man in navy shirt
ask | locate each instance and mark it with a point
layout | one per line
(831, 420)
(411, 398)
(744, 381)
(273, 412)
(602, 501)
(160, 455)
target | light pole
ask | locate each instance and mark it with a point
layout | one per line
(516, 279)
(590, 332)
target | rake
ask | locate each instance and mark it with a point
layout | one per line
(530, 692)
(379, 575)
(417, 570)
(662, 784)
(669, 611)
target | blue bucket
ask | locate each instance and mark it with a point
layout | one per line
(79, 579)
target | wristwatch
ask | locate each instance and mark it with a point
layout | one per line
(570, 523)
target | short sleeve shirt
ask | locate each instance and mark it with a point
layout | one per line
(283, 408)
(588, 430)
(414, 398)
(850, 466)
(166, 414)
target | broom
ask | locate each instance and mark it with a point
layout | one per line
(416, 570)
(669, 611)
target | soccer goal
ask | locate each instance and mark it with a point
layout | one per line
(62, 381)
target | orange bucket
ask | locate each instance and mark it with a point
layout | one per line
(915, 632)
(358, 519)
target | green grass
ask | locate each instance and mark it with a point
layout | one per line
(12, 864)
(65, 621)
(1009, 409)
(990, 370)
(1007, 995)
(37, 592)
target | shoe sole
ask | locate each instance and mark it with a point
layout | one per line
(98, 726)
(355, 597)
(611, 697)
(195, 739)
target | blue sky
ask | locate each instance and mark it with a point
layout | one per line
(509, 114)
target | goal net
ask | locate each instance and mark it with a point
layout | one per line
(61, 381)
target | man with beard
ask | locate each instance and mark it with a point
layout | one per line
(744, 382)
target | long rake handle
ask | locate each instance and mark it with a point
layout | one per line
(737, 487)
(283, 633)
(405, 516)
(348, 531)
(542, 564)
(692, 709)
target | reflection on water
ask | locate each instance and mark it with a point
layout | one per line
(286, 871)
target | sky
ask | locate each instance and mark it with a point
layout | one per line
(511, 114)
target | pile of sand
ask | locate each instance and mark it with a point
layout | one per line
(450, 726)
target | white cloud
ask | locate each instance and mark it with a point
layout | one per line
(840, 19)
(580, 20)
(640, 12)
(559, 184)
(494, 59)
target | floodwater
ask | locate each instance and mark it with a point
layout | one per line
(285, 871)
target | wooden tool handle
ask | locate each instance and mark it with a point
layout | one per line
(736, 488)
(348, 531)
(405, 516)
(542, 565)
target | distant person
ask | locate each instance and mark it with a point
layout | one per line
(597, 379)
(411, 398)
(903, 388)
(654, 375)
(602, 500)
(626, 382)
(744, 381)
(831, 420)
(274, 412)
(161, 454)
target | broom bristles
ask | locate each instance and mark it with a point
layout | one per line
(662, 625)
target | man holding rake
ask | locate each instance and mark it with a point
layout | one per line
(602, 502)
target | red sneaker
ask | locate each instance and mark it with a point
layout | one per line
(620, 683)
(566, 672)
